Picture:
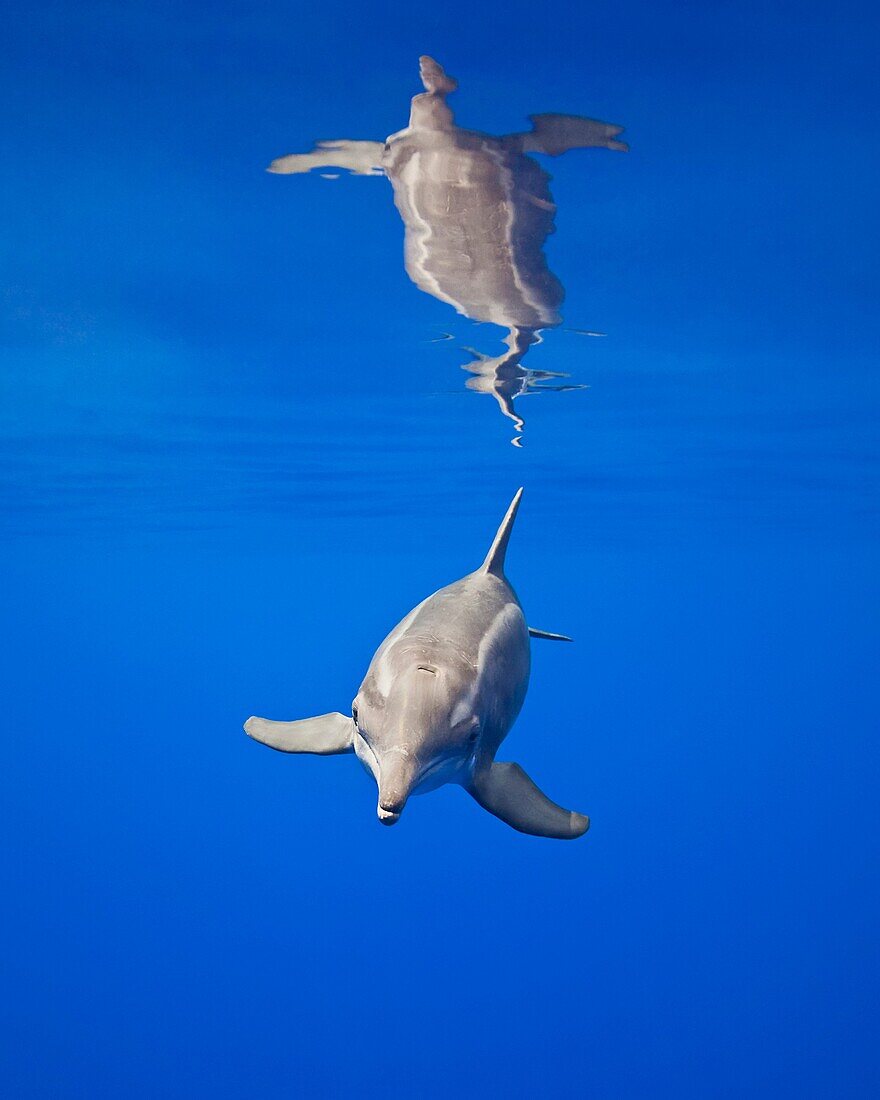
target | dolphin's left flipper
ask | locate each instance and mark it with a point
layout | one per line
(507, 792)
(325, 735)
(546, 634)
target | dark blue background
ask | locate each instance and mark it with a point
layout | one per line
(234, 454)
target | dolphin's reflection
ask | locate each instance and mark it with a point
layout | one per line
(477, 211)
(506, 378)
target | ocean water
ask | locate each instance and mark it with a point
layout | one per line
(238, 446)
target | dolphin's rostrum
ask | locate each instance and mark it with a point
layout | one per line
(439, 697)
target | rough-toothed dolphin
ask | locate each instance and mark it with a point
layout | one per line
(439, 697)
(477, 210)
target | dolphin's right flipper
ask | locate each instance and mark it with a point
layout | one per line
(555, 134)
(327, 734)
(362, 158)
(507, 792)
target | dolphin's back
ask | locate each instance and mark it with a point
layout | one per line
(466, 612)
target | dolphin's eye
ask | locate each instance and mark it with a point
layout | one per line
(473, 735)
(354, 712)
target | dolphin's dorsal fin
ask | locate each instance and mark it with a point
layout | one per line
(494, 562)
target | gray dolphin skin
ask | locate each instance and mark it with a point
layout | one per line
(439, 697)
(476, 211)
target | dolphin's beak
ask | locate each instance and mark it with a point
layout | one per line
(397, 776)
(387, 817)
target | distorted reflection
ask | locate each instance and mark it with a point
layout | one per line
(477, 210)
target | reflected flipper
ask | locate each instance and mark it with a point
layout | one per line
(507, 792)
(362, 158)
(556, 134)
(325, 735)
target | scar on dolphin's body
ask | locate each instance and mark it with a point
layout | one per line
(440, 695)
(477, 210)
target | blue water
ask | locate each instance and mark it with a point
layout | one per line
(237, 446)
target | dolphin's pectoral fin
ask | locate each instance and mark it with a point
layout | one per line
(327, 734)
(546, 634)
(361, 158)
(555, 134)
(507, 792)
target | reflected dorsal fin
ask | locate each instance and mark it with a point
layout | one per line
(494, 562)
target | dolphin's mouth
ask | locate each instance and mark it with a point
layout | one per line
(388, 817)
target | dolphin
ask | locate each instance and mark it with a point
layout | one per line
(477, 210)
(440, 695)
